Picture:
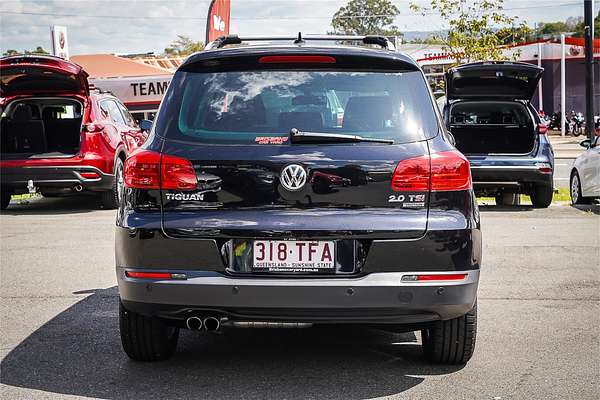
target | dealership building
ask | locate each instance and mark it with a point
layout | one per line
(140, 82)
(546, 53)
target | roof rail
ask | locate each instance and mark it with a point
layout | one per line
(223, 41)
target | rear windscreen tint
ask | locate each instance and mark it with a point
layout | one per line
(247, 106)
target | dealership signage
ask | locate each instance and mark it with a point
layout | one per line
(60, 45)
(135, 90)
(217, 22)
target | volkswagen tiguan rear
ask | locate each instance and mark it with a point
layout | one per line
(298, 185)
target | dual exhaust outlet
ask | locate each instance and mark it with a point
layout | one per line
(210, 324)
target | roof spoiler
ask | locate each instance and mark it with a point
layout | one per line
(223, 41)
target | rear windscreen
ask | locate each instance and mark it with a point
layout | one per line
(247, 106)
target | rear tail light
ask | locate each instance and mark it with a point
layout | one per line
(542, 129)
(412, 175)
(450, 170)
(146, 169)
(444, 171)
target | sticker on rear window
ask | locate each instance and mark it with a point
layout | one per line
(271, 139)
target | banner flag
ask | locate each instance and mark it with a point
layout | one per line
(217, 22)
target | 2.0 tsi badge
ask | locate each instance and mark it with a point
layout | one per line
(293, 177)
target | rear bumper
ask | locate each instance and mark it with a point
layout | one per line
(374, 298)
(55, 178)
(498, 176)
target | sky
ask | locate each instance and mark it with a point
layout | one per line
(139, 26)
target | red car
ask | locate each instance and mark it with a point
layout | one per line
(59, 137)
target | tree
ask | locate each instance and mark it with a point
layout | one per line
(183, 46)
(477, 28)
(13, 52)
(38, 50)
(580, 27)
(427, 40)
(366, 17)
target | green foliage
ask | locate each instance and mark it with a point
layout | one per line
(37, 50)
(477, 28)
(580, 27)
(183, 46)
(428, 40)
(366, 17)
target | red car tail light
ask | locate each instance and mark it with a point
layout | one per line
(450, 170)
(444, 171)
(542, 129)
(142, 170)
(412, 175)
(147, 169)
(177, 173)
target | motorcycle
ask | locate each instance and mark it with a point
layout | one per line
(578, 124)
(554, 121)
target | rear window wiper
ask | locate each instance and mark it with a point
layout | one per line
(297, 136)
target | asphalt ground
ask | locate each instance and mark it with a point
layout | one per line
(539, 323)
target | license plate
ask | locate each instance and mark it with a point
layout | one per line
(293, 256)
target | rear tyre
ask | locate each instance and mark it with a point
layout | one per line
(146, 338)
(452, 341)
(5, 199)
(541, 196)
(575, 190)
(508, 199)
(111, 198)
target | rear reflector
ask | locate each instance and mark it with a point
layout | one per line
(296, 60)
(89, 175)
(154, 275)
(544, 167)
(148, 275)
(147, 169)
(542, 129)
(444, 171)
(434, 277)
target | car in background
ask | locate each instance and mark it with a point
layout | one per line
(59, 137)
(585, 175)
(489, 113)
(253, 205)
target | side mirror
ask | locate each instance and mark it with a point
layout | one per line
(145, 125)
(585, 143)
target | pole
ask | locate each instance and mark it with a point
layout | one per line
(562, 86)
(540, 92)
(588, 21)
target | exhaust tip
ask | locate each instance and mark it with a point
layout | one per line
(78, 188)
(193, 323)
(211, 324)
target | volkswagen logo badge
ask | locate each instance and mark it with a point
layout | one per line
(293, 177)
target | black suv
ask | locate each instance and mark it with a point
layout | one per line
(298, 184)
